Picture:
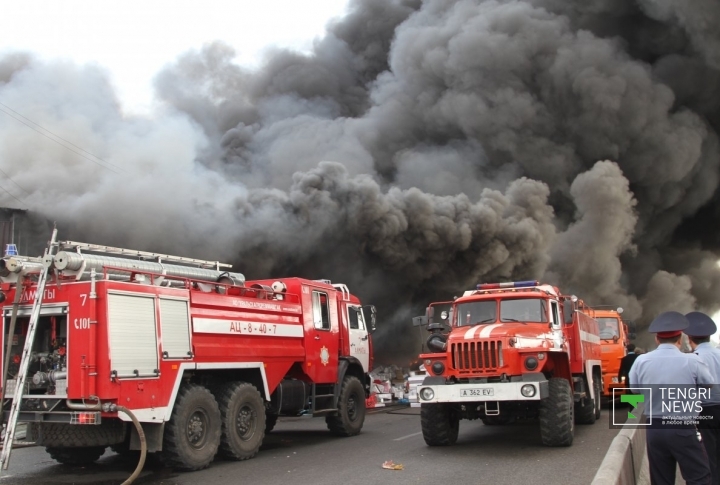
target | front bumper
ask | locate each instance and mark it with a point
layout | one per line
(485, 392)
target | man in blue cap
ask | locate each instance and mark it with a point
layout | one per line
(699, 332)
(670, 446)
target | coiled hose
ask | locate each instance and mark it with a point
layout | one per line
(143, 445)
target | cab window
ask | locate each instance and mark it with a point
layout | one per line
(476, 312)
(555, 314)
(321, 313)
(355, 318)
(523, 310)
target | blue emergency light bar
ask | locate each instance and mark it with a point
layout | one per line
(511, 284)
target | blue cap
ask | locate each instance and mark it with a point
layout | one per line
(669, 322)
(701, 325)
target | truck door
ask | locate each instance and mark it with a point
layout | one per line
(322, 338)
(359, 342)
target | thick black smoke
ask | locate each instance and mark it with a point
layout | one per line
(421, 148)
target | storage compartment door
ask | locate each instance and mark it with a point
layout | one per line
(175, 328)
(132, 334)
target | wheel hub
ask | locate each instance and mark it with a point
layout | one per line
(197, 424)
(245, 423)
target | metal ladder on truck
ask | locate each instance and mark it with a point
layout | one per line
(25, 358)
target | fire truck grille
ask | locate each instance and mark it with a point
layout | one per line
(477, 356)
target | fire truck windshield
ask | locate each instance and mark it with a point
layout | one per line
(608, 327)
(523, 310)
(476, 312)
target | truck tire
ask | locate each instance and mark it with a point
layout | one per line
(79, 455)
(192, 435)
(588, 413)
(597, 384)
(270, 422)
(243, 420)
(440, 424)
(123, 448)
(62, 435)
(349, 419)
(556, 414)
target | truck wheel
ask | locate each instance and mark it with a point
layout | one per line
(270, 422)
(243, 420)
(556, 414)
(81, 455)
(586, 414)
(440, 424)
(349, 419)
(123, 449)
(192, 435)
(597, 385)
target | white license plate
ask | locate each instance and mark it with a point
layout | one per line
(480, 391)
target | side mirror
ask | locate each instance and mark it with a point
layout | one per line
(420, 321)
(370, 309)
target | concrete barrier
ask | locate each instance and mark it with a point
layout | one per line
(625, 462)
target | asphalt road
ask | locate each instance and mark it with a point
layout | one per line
(301, 451)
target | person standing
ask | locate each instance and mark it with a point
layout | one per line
(669, 446)
(699, 332)
(626, 364)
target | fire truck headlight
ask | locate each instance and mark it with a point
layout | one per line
(614, 380)
(427, 394)
(531, 363)
(528, 390)
(438, 368)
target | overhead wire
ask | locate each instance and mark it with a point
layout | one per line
(11, 195)
(61, 138)
(11, 180)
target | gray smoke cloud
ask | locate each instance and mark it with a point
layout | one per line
(421, 148)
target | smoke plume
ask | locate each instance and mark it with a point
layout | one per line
(421, 148)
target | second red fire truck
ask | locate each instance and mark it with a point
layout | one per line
(507, 351)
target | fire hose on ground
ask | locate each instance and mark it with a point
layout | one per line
(143, 445)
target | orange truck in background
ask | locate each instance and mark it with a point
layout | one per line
(615, 335)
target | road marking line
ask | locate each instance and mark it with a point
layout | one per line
(408, 436)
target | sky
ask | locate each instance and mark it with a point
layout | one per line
(134, 39)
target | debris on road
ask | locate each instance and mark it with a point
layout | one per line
(389, 465)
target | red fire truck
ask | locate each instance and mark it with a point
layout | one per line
(505, 351)
(203, 360)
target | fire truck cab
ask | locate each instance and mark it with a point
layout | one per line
(507, 351)
(204, 360)
(615, 335)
